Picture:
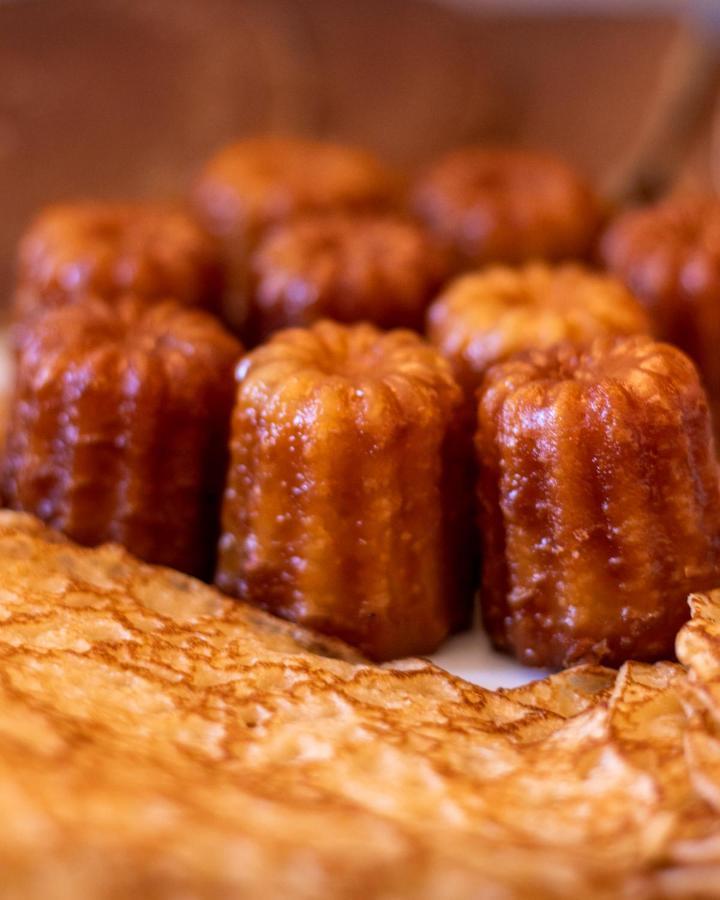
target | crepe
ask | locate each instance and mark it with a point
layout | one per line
(160, 741)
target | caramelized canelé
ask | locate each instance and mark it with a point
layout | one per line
(258, 182)
(485, 317)
(599, 501)
(507, 206)
(346, 506)
(669, 256)
(118, 426)
(150, 250)
(377, 268)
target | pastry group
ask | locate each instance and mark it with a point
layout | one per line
(251, 185)
(443, 402)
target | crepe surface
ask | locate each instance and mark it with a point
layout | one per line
(160, 741)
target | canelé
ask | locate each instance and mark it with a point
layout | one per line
(599, 501)
(119, 425)
(669, 256)
(346, 506)
(507, 206)
(151, 250)
(378, 268)
(254, 183)
(484, 317)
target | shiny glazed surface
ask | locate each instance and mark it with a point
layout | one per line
(118, 426)
(484, 317)
(375, 268)
(669, 256)
(599, 501)
(254, 183)
(111, 249)
(346, 506)
(507, 206)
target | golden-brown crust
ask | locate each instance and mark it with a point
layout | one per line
(254, 183)
(377, 268)
(485, 317)
(669, 256)
(507, 206)
(118, 426)
(154, 251)
(158, 740)
(599, 501)
(346, 502)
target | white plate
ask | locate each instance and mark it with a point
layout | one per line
(468, 655)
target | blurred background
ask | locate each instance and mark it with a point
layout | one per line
(127, 97)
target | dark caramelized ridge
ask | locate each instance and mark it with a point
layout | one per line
(599, 501)
(118, 426)
(346, 506)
